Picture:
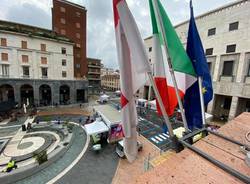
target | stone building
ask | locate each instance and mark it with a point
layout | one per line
(111, 82)
(225, 34)
(94, 75)
(36, 65)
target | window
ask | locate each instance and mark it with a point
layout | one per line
(228, 68)
(3, 42)
(248, 71)
(209, 51)
(24, 45)
(44, 60)
(78, 14)
(150, 49)
(63, 32)
(26, 71)
(5, 70)
(78, 35)
(43, 47)
(63, 21)
(78, 25)
(63, 50)
(4, 56)
(44, 72)
(62, 9)
(227, 103)
(211, 32)
(25, 58)
(231, 48)
(78, 55)
(78, 66)
(233, 26)
(78, 45)
(64, 62)
(64, 74)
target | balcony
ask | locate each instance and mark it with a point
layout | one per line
(98, 72)
(4, 76)
(247, 79)
(227, 78)
(91, 65)
(94, 78)
(26, 76)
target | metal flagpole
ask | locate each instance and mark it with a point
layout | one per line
(202, 101)
(156, 9)
(200, 87)
(158, 96)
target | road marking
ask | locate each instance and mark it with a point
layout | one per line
(153, 139)
(163, 137)
(61, 174)
(165, 134)
(158, 138)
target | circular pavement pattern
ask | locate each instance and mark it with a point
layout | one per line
(16, 151)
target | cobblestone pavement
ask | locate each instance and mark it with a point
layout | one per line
(54, 169)
(93, 168)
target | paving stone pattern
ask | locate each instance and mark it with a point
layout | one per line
(54, 169)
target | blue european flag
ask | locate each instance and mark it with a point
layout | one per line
(192, 99)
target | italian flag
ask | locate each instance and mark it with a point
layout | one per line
(181, 64)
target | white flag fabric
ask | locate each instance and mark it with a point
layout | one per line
(133, 64)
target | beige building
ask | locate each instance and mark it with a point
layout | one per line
(225, 34)
(37, 65)
(111, 82)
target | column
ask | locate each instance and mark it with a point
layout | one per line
(233, 108)
(72, 93)
(36, 93)
(55, 93)
(17, 94)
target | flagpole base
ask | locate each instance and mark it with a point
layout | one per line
(176, 145)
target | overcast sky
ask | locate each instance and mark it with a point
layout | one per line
(100, 29)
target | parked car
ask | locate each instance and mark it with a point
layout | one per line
(120, 148)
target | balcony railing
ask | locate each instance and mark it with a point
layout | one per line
(228, 78)
(26, 76)
(5, 76)
(94, 65)
(94, 72)
(247, 79)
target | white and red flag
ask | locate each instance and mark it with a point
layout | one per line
(133, 64)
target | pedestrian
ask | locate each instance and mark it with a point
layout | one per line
(80, 120)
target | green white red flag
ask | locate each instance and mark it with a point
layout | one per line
(181, 64)
(133, 65)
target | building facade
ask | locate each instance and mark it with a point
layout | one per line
(69, 20)
(225, 34)
(37, 66)
(94, 75)
(111, 82)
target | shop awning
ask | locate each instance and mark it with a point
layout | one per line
(96, 127)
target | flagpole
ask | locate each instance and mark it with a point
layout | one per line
(202, 101)
(158, 96)
(200, 85)
(156, 9)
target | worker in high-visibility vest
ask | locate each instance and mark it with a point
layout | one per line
(11, 165)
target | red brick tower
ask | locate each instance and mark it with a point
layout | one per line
(69, 19)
